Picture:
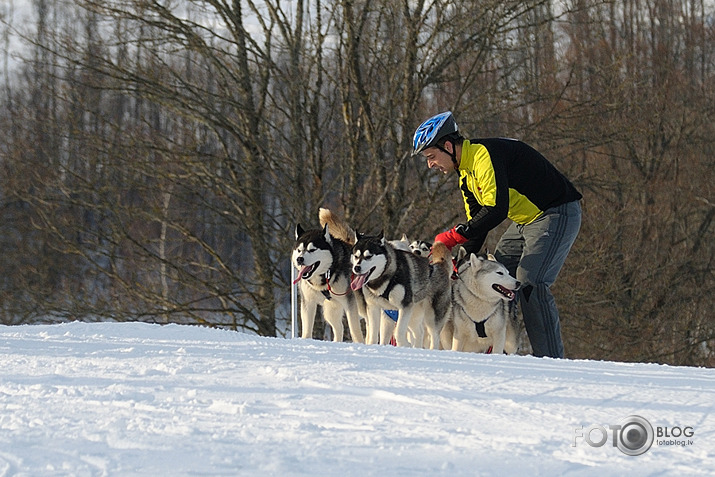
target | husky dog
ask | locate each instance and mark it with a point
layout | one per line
(418, 247)
(396, 279)
(346, 233)
(421, 248)
(481, 314)
(402, 244)
(323, 264)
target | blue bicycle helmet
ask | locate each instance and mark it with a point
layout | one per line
(432, 130)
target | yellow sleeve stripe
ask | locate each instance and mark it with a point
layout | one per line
(477, 172)
(484, 170)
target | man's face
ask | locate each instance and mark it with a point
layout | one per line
(437, 158)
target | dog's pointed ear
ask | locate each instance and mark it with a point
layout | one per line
(461, 253)
(404, 238)
(298, 231)
(381, 236)
(359, 235)
(475, 260)
(326, 234)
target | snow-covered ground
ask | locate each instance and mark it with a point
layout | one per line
(137, 399)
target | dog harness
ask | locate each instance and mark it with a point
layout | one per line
(326, 293)
(479, 325)
(482, 332)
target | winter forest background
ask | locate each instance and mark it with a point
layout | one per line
(156, 155)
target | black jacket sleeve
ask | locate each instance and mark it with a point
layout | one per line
(484, 217)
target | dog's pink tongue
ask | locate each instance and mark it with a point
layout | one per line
(358, 281)
(301, 272)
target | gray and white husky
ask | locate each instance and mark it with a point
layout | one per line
(418, 247)
(402, 244)
(402, 281)
(482, 314)
(323, 264)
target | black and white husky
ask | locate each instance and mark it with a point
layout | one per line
(482, 314)
(323, 264)
(421, 247)
(418, 247)
(400, 280)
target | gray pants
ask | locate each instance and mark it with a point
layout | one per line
(534, 254)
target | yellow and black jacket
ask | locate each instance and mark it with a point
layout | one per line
(502, 178)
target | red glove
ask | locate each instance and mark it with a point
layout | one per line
(450, 238)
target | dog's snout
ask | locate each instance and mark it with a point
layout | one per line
(518, 284)
(299, 260)
(356, 269)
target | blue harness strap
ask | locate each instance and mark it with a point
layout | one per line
(392, 314)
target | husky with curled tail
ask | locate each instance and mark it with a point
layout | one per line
(399, 280)
(323, 264)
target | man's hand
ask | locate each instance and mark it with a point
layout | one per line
(450, 238)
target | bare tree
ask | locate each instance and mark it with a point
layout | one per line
(157, 155)
(647, 214)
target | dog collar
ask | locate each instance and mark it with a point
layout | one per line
(327, 292)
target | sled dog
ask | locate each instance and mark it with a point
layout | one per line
(402, 244)
(323, 264)
(421, 248)
(343, 231)
(403, 281)
(418, 247)
(482, 310)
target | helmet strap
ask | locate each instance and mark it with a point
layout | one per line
(452, 155)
